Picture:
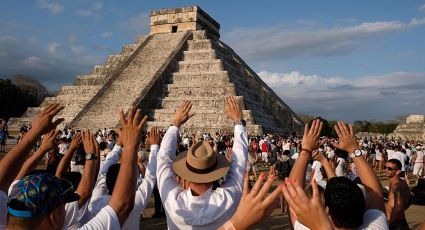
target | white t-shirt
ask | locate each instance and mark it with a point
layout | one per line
(317, 173)
(419, 157)
(378, 155)
(105, 219)
(341, 168)
(372, 219)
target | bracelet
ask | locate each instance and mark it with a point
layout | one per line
(307, 150)
(229, 225)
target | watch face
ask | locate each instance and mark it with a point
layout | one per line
(88, 156)
(357, 152)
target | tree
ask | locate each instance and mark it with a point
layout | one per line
(13, 100)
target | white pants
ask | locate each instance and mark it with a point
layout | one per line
(264, 157)
(418, 168)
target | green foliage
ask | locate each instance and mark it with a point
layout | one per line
(14, 101)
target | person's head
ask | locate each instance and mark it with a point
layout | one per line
(200, 166)
(286, 152)
(392, 168)
(38, 200)
(111, 177)
(341, 153)
(344, 202)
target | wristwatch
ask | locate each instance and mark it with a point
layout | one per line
(356, 153)
(91, 156)
(241, 122)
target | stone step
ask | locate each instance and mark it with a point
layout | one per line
(199, 55)
(200, 77)
(201, 44)
(79, 90)
(117, 59)
(31, 112)
(201, 113)
(201, 65)
(91, 79)
(102, 69)
(204, 91)
(199, 34)
(129, 48)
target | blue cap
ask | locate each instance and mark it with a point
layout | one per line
(38, 194)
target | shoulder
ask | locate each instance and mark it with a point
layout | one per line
(374, 219)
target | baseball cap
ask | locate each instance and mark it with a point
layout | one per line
(38, 194)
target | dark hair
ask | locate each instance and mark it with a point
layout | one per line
(74, 178)
(345, 201)
(396, 162)
(103, 145)
(111, 177)
(286, 152)
(341, 153)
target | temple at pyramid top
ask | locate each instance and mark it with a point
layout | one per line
(183, 19)
(182, 58)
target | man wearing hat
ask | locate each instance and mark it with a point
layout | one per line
(199, 206)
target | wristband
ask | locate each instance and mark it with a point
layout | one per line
(307, 150)
(229, 225)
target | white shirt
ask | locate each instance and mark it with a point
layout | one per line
(317, 173)
(341, 168)
(419, 157)
(105, 219)
(100, 197)
(372, 219)
(213, 208)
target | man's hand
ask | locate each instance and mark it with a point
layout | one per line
(131, 128)
(311, 136)
(43, 122)
(309, 212)
(49, 141)
(89, 142)
(232, 108)
(182, 114)
(347, 139)
(76, 141)
(229, 154)
(317, 156)
(256, 205)
(153, 136)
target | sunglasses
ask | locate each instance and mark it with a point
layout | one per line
(389, 168)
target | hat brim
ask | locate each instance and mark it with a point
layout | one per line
(179, 167)
(70, 196)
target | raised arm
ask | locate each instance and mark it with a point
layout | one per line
(66, 159)
(12, 162)
(122, 200)
(330, 172)
(47, 144)
(167, 153)
(86, 185)
(373, 187)
(240, 148)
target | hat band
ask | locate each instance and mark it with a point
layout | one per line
(201, 171)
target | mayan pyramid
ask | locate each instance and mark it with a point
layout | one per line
(182, 58)
(412, 129)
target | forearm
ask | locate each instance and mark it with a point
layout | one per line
(299, 170)
(87, 182)
(371, 183)
(64, 163)
(31, 163)
(328, 169)
(122, 200)
(12, 162)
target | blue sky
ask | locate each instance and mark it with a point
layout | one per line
(338, 59)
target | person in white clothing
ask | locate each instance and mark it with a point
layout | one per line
(418, 160)
(199, 206)
(107, 178)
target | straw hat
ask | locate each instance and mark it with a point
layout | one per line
(200, 164)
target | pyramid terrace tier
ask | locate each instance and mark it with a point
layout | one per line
(201, 65)
(207, 127)
(200, 78)
(209, 90)
(196, 55)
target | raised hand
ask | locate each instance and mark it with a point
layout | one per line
(256, 205)
(229, 154)
(153, 136)
(309, 211)
(89, 142)
(318, 156)
(182, 114)
(232, 108)
(43, 122)
(76, 141)
(49, 141)
(311, 136)
(347, 139)
(132, 127)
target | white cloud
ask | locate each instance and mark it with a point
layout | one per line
(33, 62)
(106, 34)
(282, 42)
(422, 7)
(97, 6)
(52, 48)
(135, 25)
(52, 7)
(369, 97)
(83, 12)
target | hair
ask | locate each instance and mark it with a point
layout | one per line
(309, 193)
(286, 152)
(345, 201)
(111, 177)
(74, 178)
(103, 145)
(396, 162)
(24, 223)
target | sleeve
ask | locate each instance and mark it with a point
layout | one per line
(105, 219)
(71, 216)
(145, 189)
(167, 184)
(113, 157)
(234, 182)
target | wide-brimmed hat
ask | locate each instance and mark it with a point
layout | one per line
(200, 164)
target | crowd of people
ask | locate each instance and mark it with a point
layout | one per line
(103, 180)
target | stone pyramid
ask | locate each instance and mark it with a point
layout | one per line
(181, 59)
(412, 129)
